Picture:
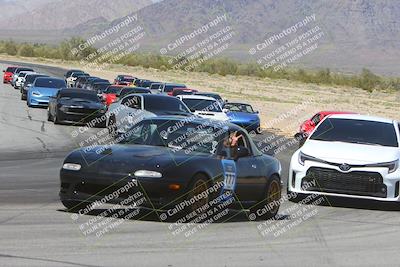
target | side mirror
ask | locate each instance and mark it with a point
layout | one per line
(241, 152)
(256, 112)
(225, 110)
(4, 71)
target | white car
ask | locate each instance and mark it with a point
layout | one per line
(133, 108)
(204, 106)
(16, 74)
(350, 155)
(21, 78)
(72, 78)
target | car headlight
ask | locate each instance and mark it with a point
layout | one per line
(147, 174)
(303, 157)
(392, 166)
(72, 166)
(63, 108)
(36, 93)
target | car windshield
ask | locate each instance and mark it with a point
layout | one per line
(356, 131)
(127, 79)
(169, 87)
(11, 69)
(50, 83)
(235, 107)
(203, 105)
(23, 69)
(101, 86)
(31, 78)
(113, 90)
(187, 137)
(155, 86)
(170, 105)
(79, 96)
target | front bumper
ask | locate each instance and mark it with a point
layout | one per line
(40, 101)
(76, 186)
(82, 117)
(359, 183)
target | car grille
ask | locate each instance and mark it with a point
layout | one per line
(86, 111)
(354, 183)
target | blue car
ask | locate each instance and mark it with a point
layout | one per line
(42, 89)
(243, 115)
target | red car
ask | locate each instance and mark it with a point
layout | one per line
(8, 73)
(125, 80)
(110, 94)
(182, 91)
(309, 125)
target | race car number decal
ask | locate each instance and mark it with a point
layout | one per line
(229, 169)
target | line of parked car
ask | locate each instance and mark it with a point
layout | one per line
(341, 154)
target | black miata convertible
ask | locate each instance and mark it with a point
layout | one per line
(172, 160)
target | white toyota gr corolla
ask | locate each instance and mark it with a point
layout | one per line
(351, 156)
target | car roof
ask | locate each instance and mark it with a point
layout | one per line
(199, 97)
(335, 112)
(51, 78)
(198, 120)
(78, 90)
(361, 117)
(237, 103)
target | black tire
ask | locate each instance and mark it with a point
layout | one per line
(198, 185)
(55, 118)
(73, 205)
(273, 194)
(49, 118)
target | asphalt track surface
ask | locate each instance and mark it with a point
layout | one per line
(36, 230)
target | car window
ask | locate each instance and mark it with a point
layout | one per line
(356, 131)
(316, 119)
(133, 101)
(50, 83)
(203, 105)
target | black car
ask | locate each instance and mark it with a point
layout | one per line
(89, 83)
(29, 80)
(68, 73)
(77, 106)
(213, 95)
(143, 83)
(98, 87)
(171, 161)
(132, 90)
(82, 80)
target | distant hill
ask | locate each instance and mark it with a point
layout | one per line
(357, 33)
(65, 14)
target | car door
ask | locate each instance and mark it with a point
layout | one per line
(249, 179)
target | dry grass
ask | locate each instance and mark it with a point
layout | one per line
(282, 104)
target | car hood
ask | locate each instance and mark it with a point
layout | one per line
(82, 104)
(356, 154)
(242, 116)
(125, 158)
(45, 91)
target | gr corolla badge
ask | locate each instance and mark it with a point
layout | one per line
(351, 156)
